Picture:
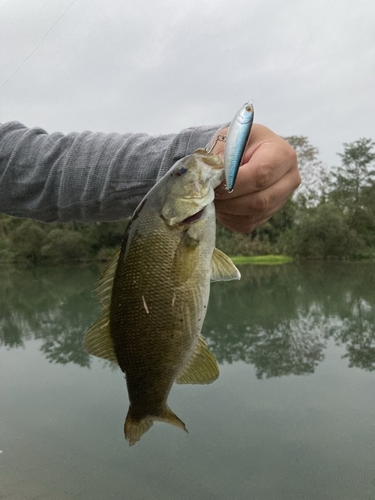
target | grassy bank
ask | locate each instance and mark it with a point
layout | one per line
(263, 260)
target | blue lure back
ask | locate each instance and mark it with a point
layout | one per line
(237, 138)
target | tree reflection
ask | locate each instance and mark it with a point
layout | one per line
(55, 306)
(277, 318)
(280, 319)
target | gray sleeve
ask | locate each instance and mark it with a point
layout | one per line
(85, 176)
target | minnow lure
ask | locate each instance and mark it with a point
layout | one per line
(235, 144)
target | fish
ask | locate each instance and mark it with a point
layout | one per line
(154, 293)
(235, 144)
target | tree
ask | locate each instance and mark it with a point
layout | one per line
(356, 172)
(323, 232)
(64, 245)
(26, 240)
(314, 175)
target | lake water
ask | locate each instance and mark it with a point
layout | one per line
(292, 415)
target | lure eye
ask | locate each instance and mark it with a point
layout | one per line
(182, 171)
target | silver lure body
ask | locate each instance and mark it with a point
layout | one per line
(237, 138)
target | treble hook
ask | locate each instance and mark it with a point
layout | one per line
(219, 138)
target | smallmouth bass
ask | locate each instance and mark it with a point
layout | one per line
(154, 293)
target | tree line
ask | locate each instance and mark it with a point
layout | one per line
(331, 215)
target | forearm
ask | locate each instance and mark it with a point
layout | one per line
(84, 176)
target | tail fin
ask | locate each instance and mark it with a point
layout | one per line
(135, 428)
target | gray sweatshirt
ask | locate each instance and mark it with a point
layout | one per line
(85, 176)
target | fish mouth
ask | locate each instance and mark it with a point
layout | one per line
(192, 218)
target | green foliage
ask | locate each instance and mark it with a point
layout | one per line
(315, 178)
(323, 232)
(26, 240)
(279, 223)
(64, 246)
(262, 241)
(355, 174)
(341, 222)
(242, 244)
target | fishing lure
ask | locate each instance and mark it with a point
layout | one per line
(235, 144)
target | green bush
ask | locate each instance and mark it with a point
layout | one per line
(26, 241)
(64, 246)
(323, 232)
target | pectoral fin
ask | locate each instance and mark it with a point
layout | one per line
(201, 368)
(186, 259)
(222, 268)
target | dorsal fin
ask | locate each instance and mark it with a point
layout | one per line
(201, 367)
(97, 340)
(222, 267)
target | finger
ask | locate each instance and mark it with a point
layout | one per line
(261, 202)
(238, 225)
(245, 223)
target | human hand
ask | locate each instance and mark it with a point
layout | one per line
(267, 177)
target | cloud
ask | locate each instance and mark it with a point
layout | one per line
(161, 66)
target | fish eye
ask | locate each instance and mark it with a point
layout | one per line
(249, 109)
(182, 171)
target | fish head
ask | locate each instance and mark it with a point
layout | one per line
(190, 186)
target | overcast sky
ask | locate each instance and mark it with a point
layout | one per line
(159, 66)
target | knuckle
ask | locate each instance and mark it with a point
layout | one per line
(292, 161)
(264, 176)
(260, 203)
(291, 155)
(297, 180)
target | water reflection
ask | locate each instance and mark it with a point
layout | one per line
(55, 305)
(277, 318)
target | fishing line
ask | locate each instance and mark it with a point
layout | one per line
(37, 47)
